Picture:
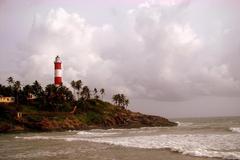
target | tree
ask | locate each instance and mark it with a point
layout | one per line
(17, 88)
(27, 90)
(85, 93)
(37, 89)
(78, 87)
(95, 93)
(102, 91)
(115, 99)
(9, 89)
(10, 81)
(6, 91)
(126, 102)
(58, 97)
(120, 100)
(73, 84)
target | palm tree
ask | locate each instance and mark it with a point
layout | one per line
(10, 91)
(28, 89)
(10, 81)
(120, 100)
(73, 84)
(50, 91)
(102, 91)
(37, 89)
(115, 99)
(85, 93)
(57, 96)
(78, 85)
(95, 93)
(126, 102)
(17, 88)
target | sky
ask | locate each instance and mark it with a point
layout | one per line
(174, 58)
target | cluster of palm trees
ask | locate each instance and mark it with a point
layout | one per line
(83, 92)
(120, 100)
(54, 97)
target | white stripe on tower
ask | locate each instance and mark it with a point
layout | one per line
(58, 73)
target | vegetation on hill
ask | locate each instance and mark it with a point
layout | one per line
(57, 108)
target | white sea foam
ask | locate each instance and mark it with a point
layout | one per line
(220, 146)
(224, 146)
(96, 134)
(73, 131)
(35, 137)
(235, 129)
(78, 136)
(184, 124)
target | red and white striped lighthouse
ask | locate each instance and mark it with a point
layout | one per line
(58, 71)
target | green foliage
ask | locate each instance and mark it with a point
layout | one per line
(120, 100)
(77, 86)
(61, 99)
(57, 98)
(93, 118)
(85, 93)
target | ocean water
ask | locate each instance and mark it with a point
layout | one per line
(192, 139)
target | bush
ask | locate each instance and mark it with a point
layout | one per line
(93, 118)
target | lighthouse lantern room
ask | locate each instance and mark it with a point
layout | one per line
(58, 71)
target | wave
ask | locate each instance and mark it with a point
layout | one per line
(77, 136)
(190, 144)
(224, 146)
(96, 134)
(235, 129)
(35, 138)
(183, 124)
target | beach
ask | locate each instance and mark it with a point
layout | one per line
(193, 138)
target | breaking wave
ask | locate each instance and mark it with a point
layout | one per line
(224, 146)
(96, 134)
(218, 143)
(218, 146)
(183, 124)
(235, 129)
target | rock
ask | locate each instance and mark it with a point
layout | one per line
(5, 127)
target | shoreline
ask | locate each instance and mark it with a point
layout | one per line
(88, 128)
(85, 150)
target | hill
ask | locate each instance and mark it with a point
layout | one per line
(91, 114)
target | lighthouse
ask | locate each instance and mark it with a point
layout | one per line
(58, 71)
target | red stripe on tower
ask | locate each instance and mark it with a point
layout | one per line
(58, 71)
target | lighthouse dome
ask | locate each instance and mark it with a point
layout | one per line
(57, 59)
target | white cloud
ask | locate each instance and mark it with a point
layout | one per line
(156, 53)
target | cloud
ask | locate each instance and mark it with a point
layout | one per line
(157, 51)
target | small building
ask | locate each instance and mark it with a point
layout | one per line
(19, 115)
(7, 99)
(31, 97)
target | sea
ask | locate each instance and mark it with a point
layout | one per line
(193, 139)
